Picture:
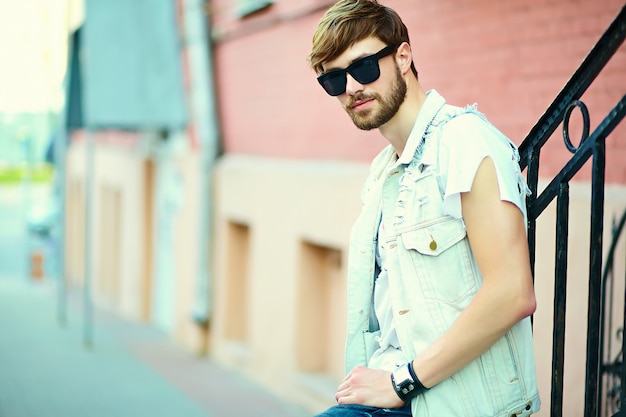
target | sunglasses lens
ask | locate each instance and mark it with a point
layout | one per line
(367, 71)
(333, 82)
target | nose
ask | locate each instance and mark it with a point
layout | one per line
(352, 85)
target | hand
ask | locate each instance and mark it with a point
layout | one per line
(366, 386)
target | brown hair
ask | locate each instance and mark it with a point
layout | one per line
(350, 21)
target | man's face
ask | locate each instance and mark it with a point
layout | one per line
(374, 104)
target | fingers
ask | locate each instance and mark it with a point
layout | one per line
(344, 390)
(346, 397)
(367, 386)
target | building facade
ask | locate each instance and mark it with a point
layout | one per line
(289, 182)
(285, 189)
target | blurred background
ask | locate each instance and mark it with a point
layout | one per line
(171, 169)
(34, 49)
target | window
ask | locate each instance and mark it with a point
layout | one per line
(321, 308)
(237, 283)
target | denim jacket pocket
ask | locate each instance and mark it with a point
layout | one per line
(439, 256)
(434, 238)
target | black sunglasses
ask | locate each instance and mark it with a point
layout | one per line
(364, 71)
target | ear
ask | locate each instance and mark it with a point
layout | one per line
(404, 57)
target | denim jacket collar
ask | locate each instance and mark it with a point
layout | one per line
(431, 106)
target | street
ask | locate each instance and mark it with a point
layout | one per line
(131, 370)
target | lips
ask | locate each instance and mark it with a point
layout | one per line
(360, 103)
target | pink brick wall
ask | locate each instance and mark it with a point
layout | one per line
(511, 57)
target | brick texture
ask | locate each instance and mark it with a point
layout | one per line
(511, 57)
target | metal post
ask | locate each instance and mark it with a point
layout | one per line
(206, 121)
(59, 158)
(60, 149)
(592, 391)
(89, 202)
(560, 293)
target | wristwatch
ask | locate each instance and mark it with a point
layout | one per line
(405, 382)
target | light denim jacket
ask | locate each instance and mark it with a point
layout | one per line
(433, 276)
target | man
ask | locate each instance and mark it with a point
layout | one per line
(439, 280)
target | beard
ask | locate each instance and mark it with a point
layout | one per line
(370, 118)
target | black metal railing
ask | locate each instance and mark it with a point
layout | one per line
(591, 146)
(612, 368)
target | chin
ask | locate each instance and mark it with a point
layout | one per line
(366, 127)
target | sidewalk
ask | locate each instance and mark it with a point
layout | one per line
(132, 370)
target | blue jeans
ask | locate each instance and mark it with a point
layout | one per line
(354, 410)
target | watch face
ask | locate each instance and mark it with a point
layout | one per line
(404, 382)
(402, 376)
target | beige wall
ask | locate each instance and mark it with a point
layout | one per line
(119, 256)
(282, 239)
(126, 227)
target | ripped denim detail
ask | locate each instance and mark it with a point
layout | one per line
(415, 170)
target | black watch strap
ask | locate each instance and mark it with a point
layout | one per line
(406, 383)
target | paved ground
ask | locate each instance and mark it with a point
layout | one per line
(132, 370)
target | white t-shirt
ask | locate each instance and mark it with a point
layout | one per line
(389, 355)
